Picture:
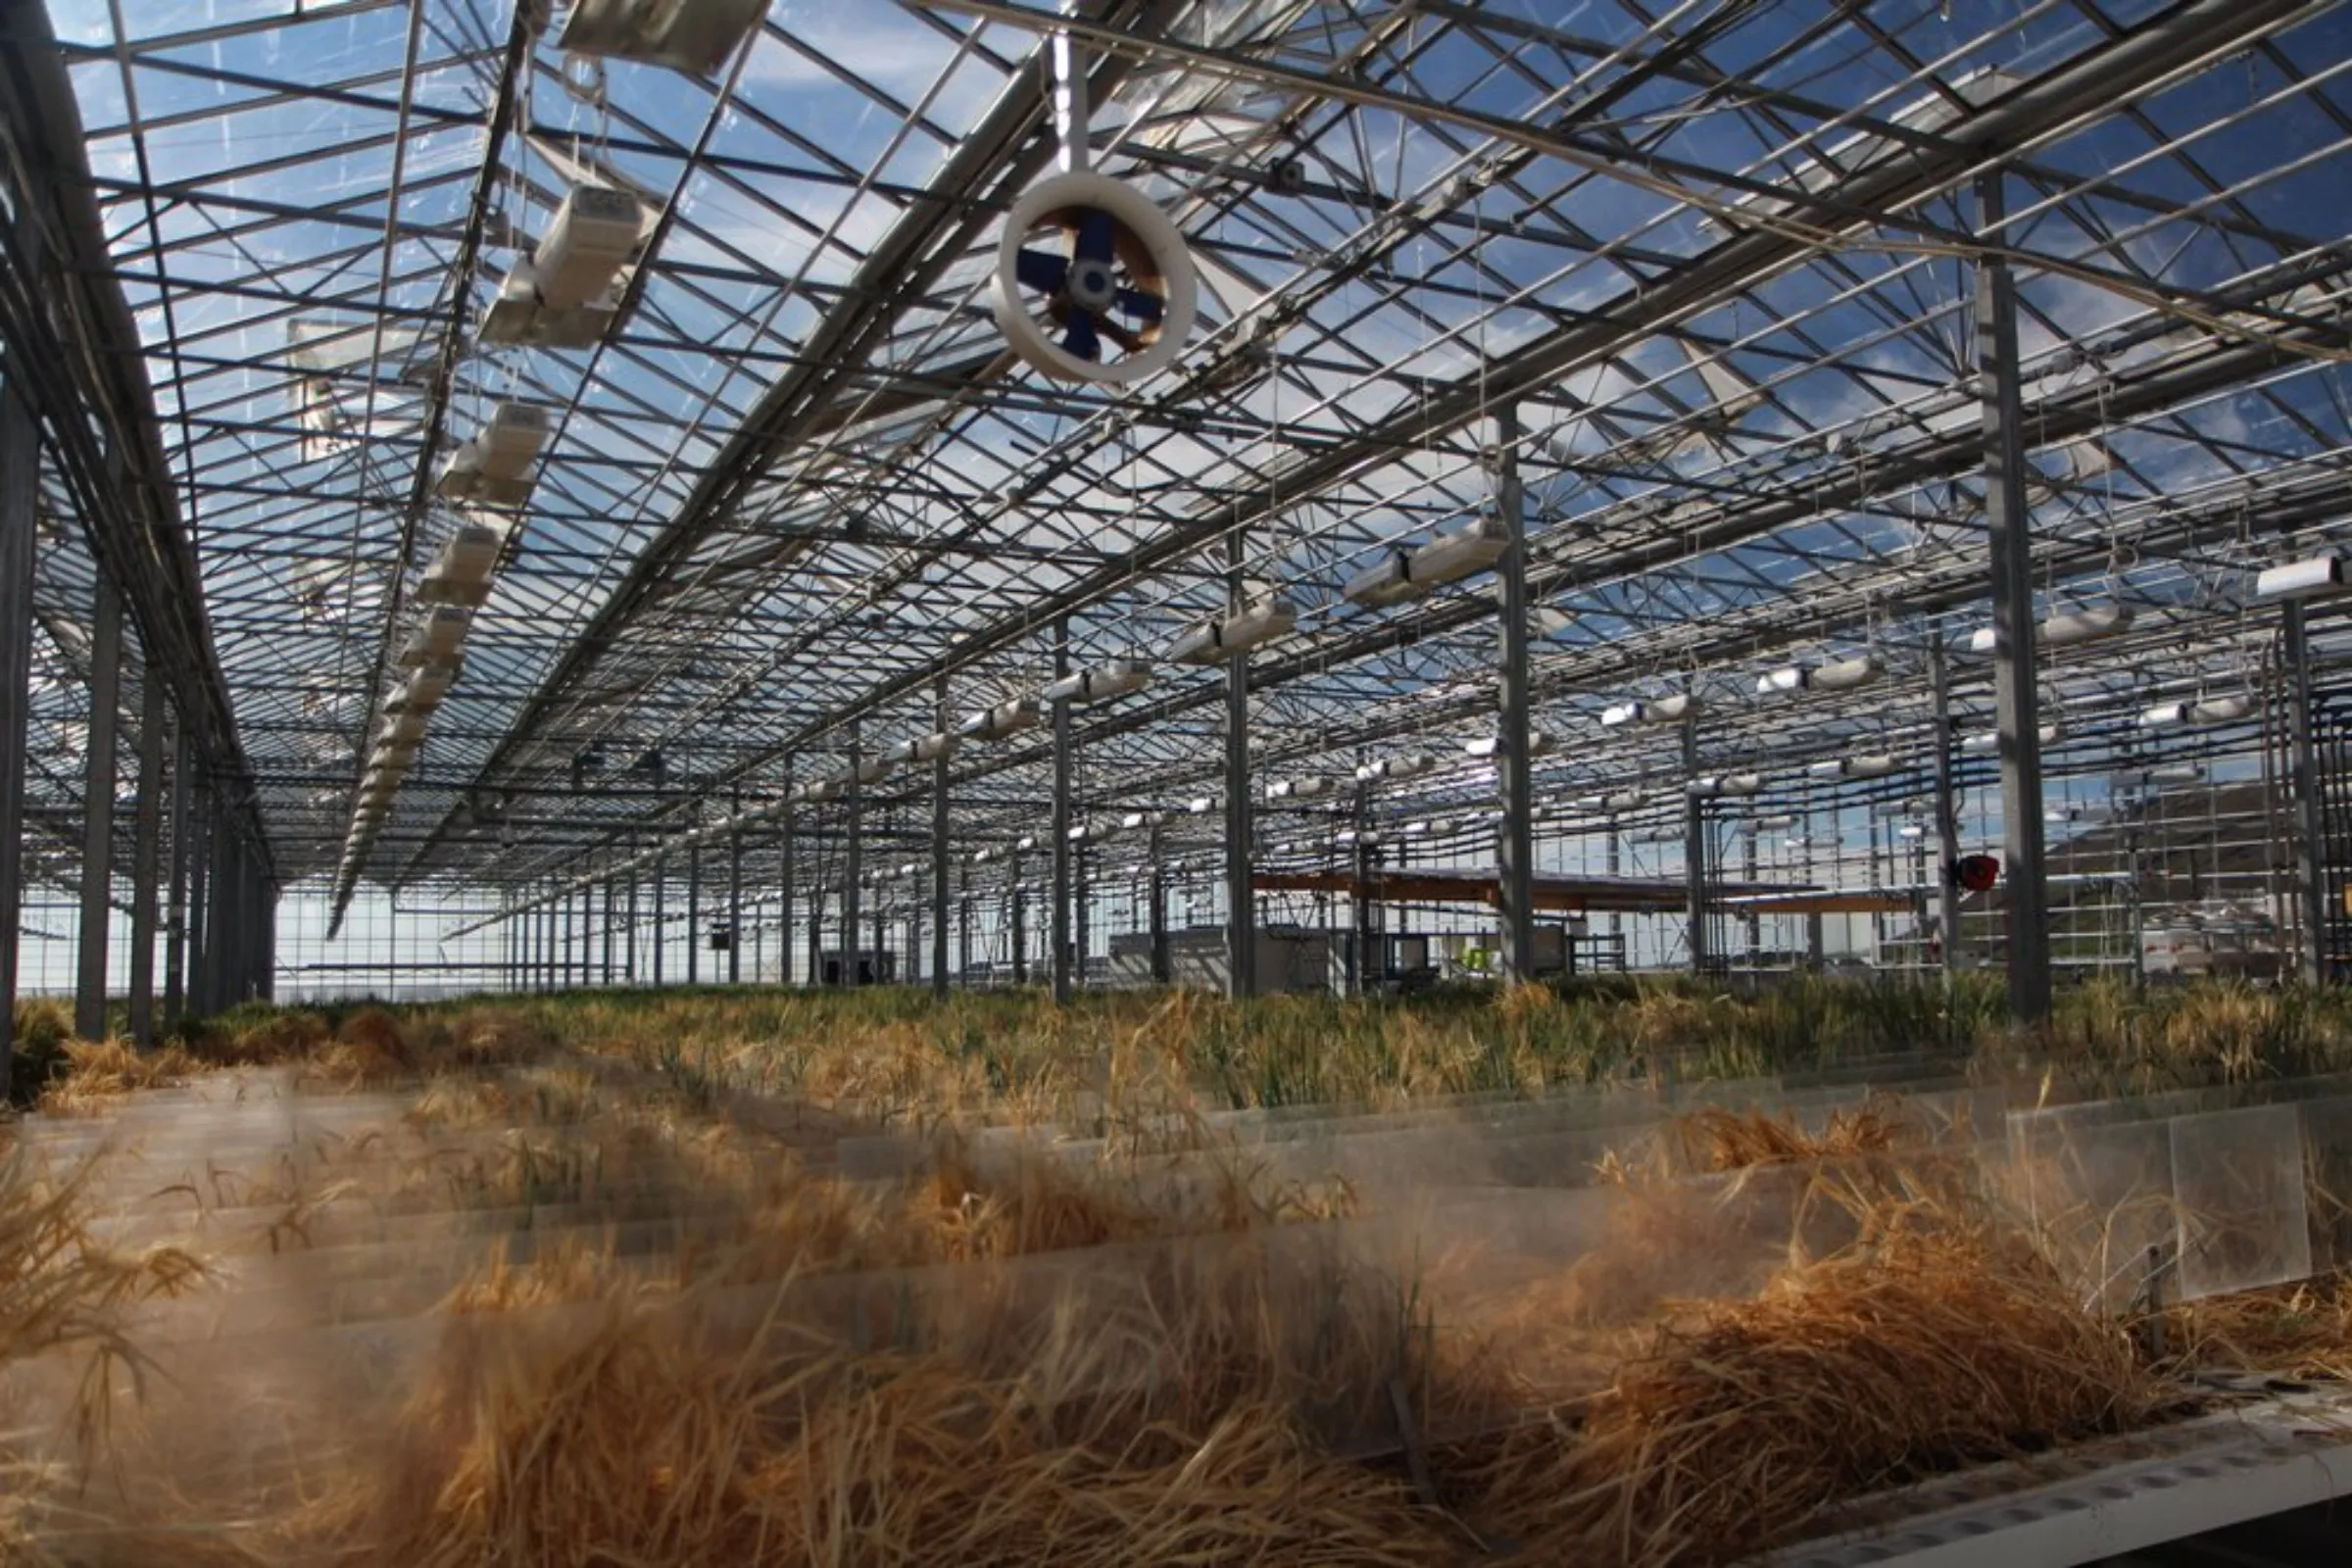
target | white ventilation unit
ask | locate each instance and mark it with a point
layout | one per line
(696, 36)
(564, 294)
(1115, 678)
(462, 569)
(1215, 640)
(495, 467)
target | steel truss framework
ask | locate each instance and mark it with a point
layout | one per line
(1701, 289)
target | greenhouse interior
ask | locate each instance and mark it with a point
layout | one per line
(1116, 782)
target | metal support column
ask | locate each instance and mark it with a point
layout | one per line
(1241, 906)
(784, 927)
(939, 846)
(816, 935)
(735, 889)
(628, 943)
(1694, 850)
(611, 902)
(20, 486)
(853, 868)
(1060, 921)
(200, 896)
(146, 848)
(963, 922)
(1018, 916)
(98, 778)
(2016, 688)
(1514, 838)
(661, 932)
(1364, 861)
(175, 909)
(2303, 777)
(1948, 816)
(1157, 874)
(694, 911)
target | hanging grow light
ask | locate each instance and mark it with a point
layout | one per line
(1713, 786)
(1411, 764)
(1991, 740)
(1200, 805)
(1305, 788)
(1840, 675)
(2315, 578)
(1220, 638)
(461, 573)
(1117, 678)
(1779, 822)
(1869, 765)
(1538, 744)
(1111, 274)
(1405, 572)
(1006, 718)
(2203, 711)
(423, 691)
(438, 639)
(696, 36)
(2070, 627)
(494, 467)
(562, 295)
(1655, 711)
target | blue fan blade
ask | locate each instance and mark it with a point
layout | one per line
(1142, 306)
(1082, 339)
(1096, 232)
(1040, 271)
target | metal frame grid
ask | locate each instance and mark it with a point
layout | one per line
(1714, 267)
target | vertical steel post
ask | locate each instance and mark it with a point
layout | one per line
(1241, 906)
(1694, 850)
(20, 487)
(1948, 816)
(98, 783)
(735, 888)
(2015, 688)
(852, 869)
(963, 923)
(1157, 888)
(1020, 922)
(2309, 824)
(1364, 861)
(199, 898)
(176, 909)
(1514, 838)
(1060, 921)
(694, 910)
(628, 943)
(939, 846)
(784, 925)
(660, 931)
(611, 893)
(145, 851)
(816, 933)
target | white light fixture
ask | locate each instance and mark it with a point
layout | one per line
(1868, 765)
(1776, 823)
(1991, 740)
(2070, 627)
(1200, 805)
(423, 691)
(695, 37)
(461, 572)
(1654, 711)
(1846, 674)
(1624, 801)
(562, 295)
(1788, 678)
(937, 746)
(1006, 718)
(874, 769)
(1218, 639)
(494, 467)
(1306, 787)
(1406, 572)
(1025, 843)
(2315, 578)
(438, 638)
(1537, 744)
(1412, 764)
(1713, 786)
(1115, 678)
